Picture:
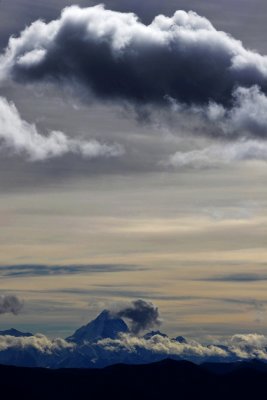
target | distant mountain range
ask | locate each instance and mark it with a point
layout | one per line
(15, 333)
(107, 340)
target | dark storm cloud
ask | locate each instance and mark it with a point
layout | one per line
(15, 271)
(10, 304)
(142, 315)
(115, 56)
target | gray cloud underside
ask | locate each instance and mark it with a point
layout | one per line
(234, 114)
(181, 62)
(15, 271)
(142, 315)
(115, 56)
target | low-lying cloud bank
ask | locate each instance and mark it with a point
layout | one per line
(21, 137)
(40, 351)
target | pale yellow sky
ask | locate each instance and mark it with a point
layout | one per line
(192, 243)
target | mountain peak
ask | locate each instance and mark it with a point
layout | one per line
(180, 339)
(15, 333)
(104, 315)
(105, 325)
(149, 335)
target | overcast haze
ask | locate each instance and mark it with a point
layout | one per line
(133, 162)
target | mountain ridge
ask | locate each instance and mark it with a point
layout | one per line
(168, 379)
(15, 333)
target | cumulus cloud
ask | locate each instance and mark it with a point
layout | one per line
(33, 351)
(220, 154)
(206, 79)
(247, 115)
(115, 56)
(248, 346)
(142, 315)
(10, 304)
(236, 348)
(245, 120)
(162, 345)
(21, 137)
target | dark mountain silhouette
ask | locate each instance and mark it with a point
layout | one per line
(168, 379)
(149, 335)
(180, 339)
(15, 333)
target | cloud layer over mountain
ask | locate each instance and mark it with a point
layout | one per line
(107, 340)
(38, 350)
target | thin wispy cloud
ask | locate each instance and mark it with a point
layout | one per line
(16, 271)
(220, 154)
(238, 277)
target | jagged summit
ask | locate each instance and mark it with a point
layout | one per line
(149, 335)
(15, 333)
(106, 325)
(180, 339)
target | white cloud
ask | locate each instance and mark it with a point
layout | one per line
(247, 116)
(220, 154)
(38, 342)
(161, 345)
(127, 348)
(248, 346)
(21, 137)
(237, 347)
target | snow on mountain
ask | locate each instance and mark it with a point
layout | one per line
(104, 326)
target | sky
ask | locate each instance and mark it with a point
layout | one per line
(133, 153)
